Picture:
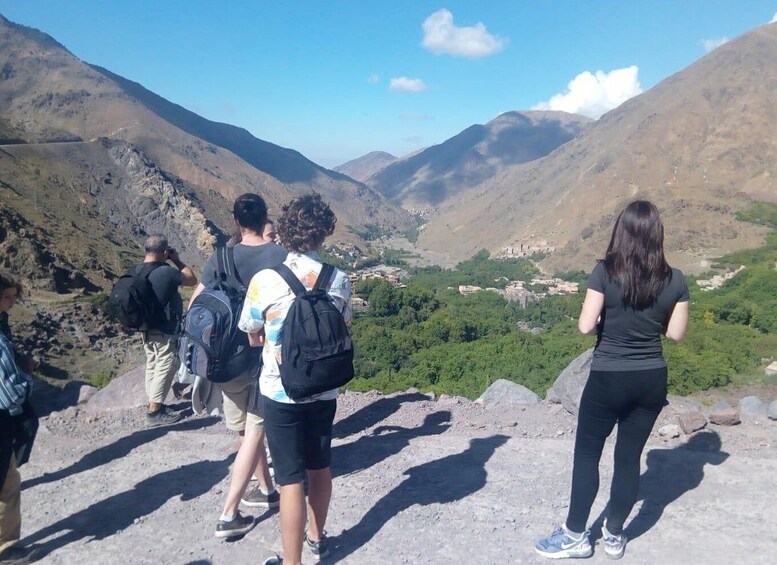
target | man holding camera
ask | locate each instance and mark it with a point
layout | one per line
(161, 335)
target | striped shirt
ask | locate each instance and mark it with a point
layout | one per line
(15, 386)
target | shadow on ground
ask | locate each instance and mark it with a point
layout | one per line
(117, 449)
(373, 413)
(670, 474)
(102, 519)
(384, 442)
(438, 482)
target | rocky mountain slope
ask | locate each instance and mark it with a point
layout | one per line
(439, 174)
(86, 151)
(700, 144)
(367, 165)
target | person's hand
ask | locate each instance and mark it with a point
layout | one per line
(28, 364)
(172, 254)
(256, 339)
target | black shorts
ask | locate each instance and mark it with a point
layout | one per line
(299, 437)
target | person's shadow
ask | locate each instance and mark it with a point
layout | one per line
(670, 474)
(118, 512)
(117, 450)
(373, 413)
(384, 442)
(438, 482)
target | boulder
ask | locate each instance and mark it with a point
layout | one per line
(772, 411)
(727, 417)
(681, 404)
(569, 385)
(507, 393)
(752, 408)
(670, 431)
(124, 392)
(76, 392)
(771, 369)
(691, 421)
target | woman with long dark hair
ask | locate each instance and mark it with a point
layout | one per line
(633, 298)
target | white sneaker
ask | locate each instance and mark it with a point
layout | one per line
(614, 546)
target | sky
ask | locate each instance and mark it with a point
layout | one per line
(338, 79)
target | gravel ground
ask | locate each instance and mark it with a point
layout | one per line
(416, 481)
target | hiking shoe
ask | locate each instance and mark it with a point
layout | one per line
(161, 417)
(238, 526)
(277, 560)
(614, 546)
(318, 548)
(20, 555)
(562, 544)
(255, 498)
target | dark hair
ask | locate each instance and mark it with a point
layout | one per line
(305, 223)
(156, 243)
(7, 281)
(250, 212)
(635, 257)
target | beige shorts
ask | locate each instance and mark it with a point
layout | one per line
(242, 403)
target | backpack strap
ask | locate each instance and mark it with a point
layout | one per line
(147, 268)
(226, 272)
(322, 282)
(291, 279)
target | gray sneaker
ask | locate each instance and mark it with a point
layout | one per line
(161, 417)
(320, 548)
(614, 546)
(255, 498)
(277, 560)
(562, 544)
(238, 526)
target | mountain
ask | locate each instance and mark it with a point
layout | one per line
(365, 166)
(438, 174)
(84, 151)
(700, 144)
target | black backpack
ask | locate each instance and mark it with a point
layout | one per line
(211, 344)
(133, 301)
(316, 348)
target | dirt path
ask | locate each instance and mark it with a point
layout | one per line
(416, 481)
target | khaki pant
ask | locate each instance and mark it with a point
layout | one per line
(11, 507)
(242, 405)
(161, 364)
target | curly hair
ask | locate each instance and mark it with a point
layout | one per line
(305, 223)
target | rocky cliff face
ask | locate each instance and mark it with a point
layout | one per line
(159, 203)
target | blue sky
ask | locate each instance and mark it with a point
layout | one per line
(338, 79)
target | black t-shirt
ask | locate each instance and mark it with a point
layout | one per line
(249, 260)
(165, 281)
(629, 339)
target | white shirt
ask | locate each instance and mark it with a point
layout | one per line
(267, 303)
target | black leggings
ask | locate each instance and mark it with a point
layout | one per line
(633, 399)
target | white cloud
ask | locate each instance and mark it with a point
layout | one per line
(442, 37)
(593, 94)
(774, 18)
(712, 44)
(404, 84)
(373, 79)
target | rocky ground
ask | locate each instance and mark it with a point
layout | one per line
(416, 481)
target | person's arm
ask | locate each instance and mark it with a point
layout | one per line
(592, 310)
(678, 322)
(197, 291)
(188, 278)
(14, 384)
(252, 316)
